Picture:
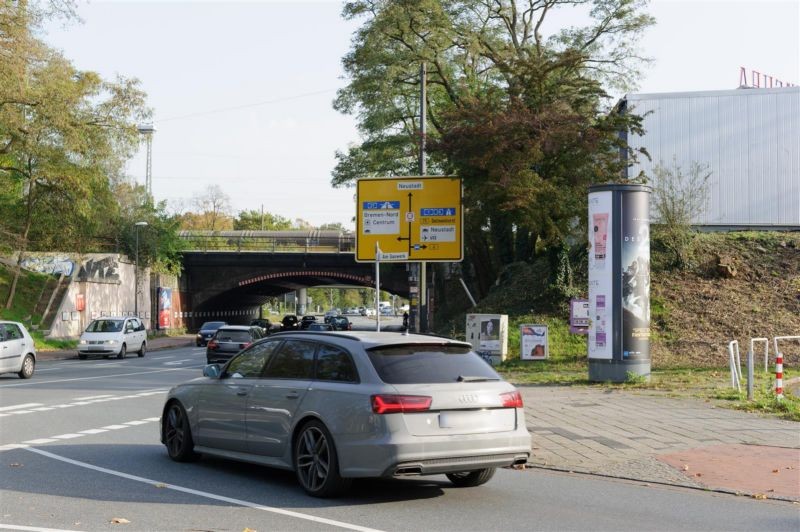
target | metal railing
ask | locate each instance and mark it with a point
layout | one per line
(269, 241)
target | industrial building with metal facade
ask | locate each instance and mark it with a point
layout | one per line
(749, 140)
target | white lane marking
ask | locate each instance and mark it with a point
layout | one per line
(40, 441)
(99, 399)
(92, 397)
(160, 358)
(31, 382)
(11, 446)
(93, 431)
(114, 427)
(4, 526)
(15, 407)
(152, 418)
(205, 494)
(134, 423)
(68, 436)
(177, 362)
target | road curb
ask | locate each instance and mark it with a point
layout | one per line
(73, 354)
(662, 483)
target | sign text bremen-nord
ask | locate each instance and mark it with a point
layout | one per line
(410, 218)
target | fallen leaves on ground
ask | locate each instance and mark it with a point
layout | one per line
(119, 521)
(760, 496)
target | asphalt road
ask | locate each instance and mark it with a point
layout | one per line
(92, 455)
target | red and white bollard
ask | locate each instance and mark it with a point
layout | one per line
(779, 376)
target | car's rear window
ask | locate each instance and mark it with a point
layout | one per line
(428, 364)
(224, 335)
(213, 324)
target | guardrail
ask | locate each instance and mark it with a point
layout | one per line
(269, 241)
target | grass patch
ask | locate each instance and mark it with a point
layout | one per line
(30, 290)
(711, 384)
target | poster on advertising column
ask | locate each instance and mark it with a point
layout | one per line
(164, 307)
(635, 217)
(601, 248)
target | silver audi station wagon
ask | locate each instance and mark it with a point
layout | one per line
(334, 406)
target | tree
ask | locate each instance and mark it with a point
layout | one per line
(213, 211)
(521, 116)
(254, 220)
(62, 131)
(678, 197)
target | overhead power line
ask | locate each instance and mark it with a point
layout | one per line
(244, 106)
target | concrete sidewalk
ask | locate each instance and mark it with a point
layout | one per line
(155, 343)
(652, 438)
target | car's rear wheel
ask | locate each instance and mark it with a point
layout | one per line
(83, 357)
(142, 350)
(316, 463)
(28, 365)
(122, 351)
(469, 479)
(178, 434)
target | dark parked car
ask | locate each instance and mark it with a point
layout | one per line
(290, 323)
(305, 321)
(229, 340)
(207, 331)
(335, 406)
(330, 315)
(314, 326)
(340, 323)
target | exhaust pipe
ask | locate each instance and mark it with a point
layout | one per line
(408, 471)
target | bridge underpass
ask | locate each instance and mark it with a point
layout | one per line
(232, 285)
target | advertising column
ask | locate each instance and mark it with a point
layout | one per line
(619, 282)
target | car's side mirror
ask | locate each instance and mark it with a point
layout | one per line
(212, 370)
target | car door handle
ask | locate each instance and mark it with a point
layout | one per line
(292, 395)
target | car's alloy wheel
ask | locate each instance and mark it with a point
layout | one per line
(28, 366)
(122, 351)
(316, 463)
(469, 479)
(143, 349)
(178, 435)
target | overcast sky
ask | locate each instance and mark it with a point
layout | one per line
(278, 65)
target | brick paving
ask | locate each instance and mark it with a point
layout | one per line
(638, 435)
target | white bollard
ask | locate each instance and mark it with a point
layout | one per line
(779, 376)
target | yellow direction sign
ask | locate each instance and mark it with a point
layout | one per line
(411, 219)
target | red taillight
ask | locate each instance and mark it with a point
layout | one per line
(511, 400)
(391, 404)
(242, 346)
(213, 344)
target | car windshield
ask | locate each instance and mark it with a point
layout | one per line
(213, 325)
(428, 364)
(224, 335)
(105, 326)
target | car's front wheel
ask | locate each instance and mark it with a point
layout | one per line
(469, 479)
(122, 351)
(178, 434)
(316, 463)
(28, 366)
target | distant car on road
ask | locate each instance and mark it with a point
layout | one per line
(17, 352)
(113, 336)
(334, 406)
(290, 322)
(207, 331)
(341, 323)
(331, 314)
(305, 321)
(320, 327)
(265, 325)
(229, 340)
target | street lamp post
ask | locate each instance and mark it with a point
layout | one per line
(136, 271)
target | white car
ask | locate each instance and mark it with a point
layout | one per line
(17, 352)
(113, 336)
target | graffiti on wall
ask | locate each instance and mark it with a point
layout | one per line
(105, 269)
(49, 264)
